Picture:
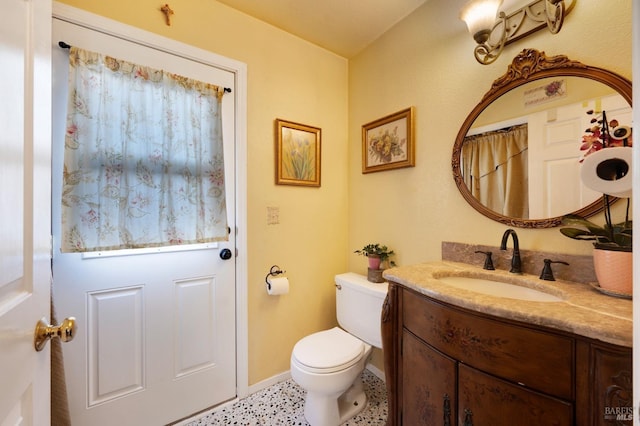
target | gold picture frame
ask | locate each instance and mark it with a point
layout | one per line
(298, 150)
(388, 143)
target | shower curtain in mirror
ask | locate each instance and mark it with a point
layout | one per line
(494, 166)
(143, 162)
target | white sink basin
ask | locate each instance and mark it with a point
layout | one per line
(499, 289)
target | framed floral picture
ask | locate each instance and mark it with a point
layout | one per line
(297, 154)
(388, 143)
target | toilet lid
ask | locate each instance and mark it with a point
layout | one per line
(329, 350)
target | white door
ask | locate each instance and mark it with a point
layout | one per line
(156, 340)
(554, 157)
(25, 120)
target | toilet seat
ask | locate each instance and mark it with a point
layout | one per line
(328, 351)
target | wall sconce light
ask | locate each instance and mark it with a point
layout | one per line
(492, 33)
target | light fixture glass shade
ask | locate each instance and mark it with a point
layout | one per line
(480, 16)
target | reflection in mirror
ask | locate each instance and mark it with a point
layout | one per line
(517, 157)
(494, 168)
(521, 158)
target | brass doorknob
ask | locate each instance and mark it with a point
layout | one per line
(44, 332)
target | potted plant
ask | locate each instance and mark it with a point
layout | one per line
(612, 257)
(378, 256)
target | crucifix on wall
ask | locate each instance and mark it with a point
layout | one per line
(167, 13)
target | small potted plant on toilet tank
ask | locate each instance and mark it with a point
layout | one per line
(378, 256)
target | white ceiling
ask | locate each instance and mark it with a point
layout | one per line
(341, 26)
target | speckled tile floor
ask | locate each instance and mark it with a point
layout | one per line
(283, 404)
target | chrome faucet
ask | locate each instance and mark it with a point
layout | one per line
(516, 263)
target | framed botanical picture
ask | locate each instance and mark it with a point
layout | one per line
(388, 143)
(297, 154)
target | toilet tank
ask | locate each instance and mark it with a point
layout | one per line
(359, 306)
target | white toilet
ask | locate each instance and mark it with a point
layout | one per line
(328, 364)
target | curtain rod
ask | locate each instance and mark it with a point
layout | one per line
(64, 45)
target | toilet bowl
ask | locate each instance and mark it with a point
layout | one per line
(330, 373)
(328, 364)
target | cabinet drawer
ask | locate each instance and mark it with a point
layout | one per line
(491, 401)
(533, 358)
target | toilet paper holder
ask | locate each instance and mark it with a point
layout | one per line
(273, 272)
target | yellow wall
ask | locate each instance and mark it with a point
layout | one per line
(510, 105)
(427, 61)
(294, 80)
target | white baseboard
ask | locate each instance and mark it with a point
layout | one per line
(376, 372)
(286, 375)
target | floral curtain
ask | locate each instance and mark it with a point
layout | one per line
(143, 161)
(494, 166)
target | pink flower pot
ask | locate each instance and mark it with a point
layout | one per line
(374, 261)
(614, 270)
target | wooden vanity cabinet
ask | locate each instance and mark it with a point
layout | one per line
(446, 365)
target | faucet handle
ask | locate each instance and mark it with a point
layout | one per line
(547, 273)
(488, 261)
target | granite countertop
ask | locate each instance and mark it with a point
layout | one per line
(583, 310)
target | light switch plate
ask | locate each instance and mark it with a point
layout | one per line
(273, 215)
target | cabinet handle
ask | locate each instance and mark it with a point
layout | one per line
(446, 407)
(468, 417)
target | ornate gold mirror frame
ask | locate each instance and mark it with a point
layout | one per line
(531, 65)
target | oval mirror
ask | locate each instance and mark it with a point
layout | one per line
(516, 158)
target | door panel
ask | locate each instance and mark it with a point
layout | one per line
(159, 341)
(114, 317)
(195, 347)
(554, 157)
(25, 120)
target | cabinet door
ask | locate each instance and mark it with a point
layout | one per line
(486, 400)
(612, 386)
(428, 384)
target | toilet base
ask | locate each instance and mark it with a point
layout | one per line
(331, 410)
(353, 401)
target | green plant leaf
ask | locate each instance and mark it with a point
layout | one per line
(577, 234)
(593, 228)
(618, 236)
(375, 250)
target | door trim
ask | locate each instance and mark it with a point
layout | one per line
(239, 69)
